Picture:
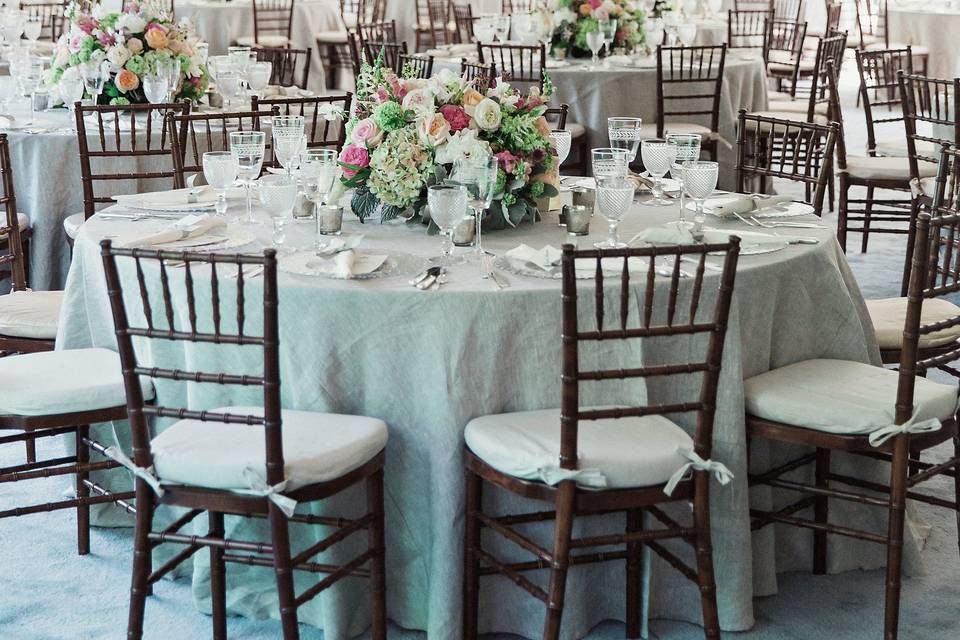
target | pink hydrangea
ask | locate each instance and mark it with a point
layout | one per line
(456, 117)
(354, 156)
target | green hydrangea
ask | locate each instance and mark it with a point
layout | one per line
(501, 181)
(389, 116)
(536, 189)
(120, 101)
(585, 26)
(137, 65)
(509, 199)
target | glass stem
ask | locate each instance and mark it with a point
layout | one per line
(698, 219)
(657, 188)
(613, 238)
(478, 244)
(246, 187)
(682, 209)
(221, 207)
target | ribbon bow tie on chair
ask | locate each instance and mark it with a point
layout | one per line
(719, 470)
(273, 493)
(145, 474)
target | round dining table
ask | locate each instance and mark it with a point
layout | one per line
(934, 25)
(221, 23)
(427, 362)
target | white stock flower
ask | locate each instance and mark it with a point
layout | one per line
(461, 144)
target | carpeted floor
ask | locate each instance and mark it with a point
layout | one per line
(47, 592)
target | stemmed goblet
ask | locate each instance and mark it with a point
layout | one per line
(220, 172)
(259, 75)
(277, 195)
(318, 174)
(608, 28)
(448, 203)
(699, 181)
(688, 148)
(561, 140)
(625, 133)
(608, 163)
(93, 79)
(614, 197)
(71, 90)
(248, 149)
(288, 140)
(658, 157)
(595, 41)
(478, 175)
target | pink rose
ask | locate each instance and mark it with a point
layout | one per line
(353, 156)
(366, 134)
(456, 117)
(595, 3)
(601, 14)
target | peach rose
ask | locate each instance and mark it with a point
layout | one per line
(156, 38)
(126, 80)
(472, 98)
(135, 45)
(542, 127)
(434, 129)
(585, 9)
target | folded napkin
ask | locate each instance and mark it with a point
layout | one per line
(675, 233)
(338, 244)
(347, 264)
(183, 229)
(743, 203)
(177, 199)
(276, 91)
(547, 260)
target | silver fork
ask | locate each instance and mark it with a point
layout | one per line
(794, 225)
(744, 220)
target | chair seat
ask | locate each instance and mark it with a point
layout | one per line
(23, 221)
(576, 130)
(915, 49)
(630, 452)
(787, 67)
(332, 37)
(317, 447)
(70, 381)
(818, 118)
(30, 314)
(898, 148)
(888, 317)
(886, 168)
(689, 127)
(798, 106)
(841, 397)
(266, 40)
(777, 96)
(72, 225)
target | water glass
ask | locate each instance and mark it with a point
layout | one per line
(687, 33)
(248, 149)
(614, 198)
(658, 157)
(448, 203)
(595, 41)
(258, 76)
(155, 88)
(229, 84)
(608, 163)
(318, 174)
(277, 195)
(288, 141)
(654, 33)
(561, 143)
(220, 172)
(94, 78)
(699, 181)
(608, 28)
(688, 149)
(625, 133)
(71, 90)
(170, 69)
(478, 175)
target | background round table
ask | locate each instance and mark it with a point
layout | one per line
(221, 23)
(933, 25)
(428, 362)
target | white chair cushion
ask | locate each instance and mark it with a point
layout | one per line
(798, 106)
(898, 148)
(630, 452)
(688, 127)
(818, 118)
(72, 225)
(317, 447)
(842, 397)
(888, 316)
(30, 314)
(332, 37)
(23, 221)
(266, 40)
(779, 95)
(915, 49)
(886, 168)
(52, 382)
(787, 67)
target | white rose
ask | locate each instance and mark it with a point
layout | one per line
(135, 45)
(132, 22)
(118, 55)
(434, 129)
(487, 115)
(420, 101)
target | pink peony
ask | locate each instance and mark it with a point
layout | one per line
(354, 156)
(456, 117)
(594, 4)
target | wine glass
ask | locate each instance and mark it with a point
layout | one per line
(240, 58)
(220, 172)
(608, 163)
(502, 27)
(32, 28)
(609, 30)
(93, 79)
(277, 195)
(448, 203)
(699, 180)
(561, 142)
(71, 90)
(288, 140)
(614, 198)
(170, 69)
(155, 88)
(478, 175)
(258, 76)
(687, 33)
(248, 148)
(595, 42)
(658, 157)
(318, 174)
(228, 84)
(624, 133)
(654, 33)
(688, 148)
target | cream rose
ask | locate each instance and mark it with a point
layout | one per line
(419, 100)
(487, 115)
(471, 98)
(434, 129)
(135, 45)
(156, 38)
(118, 55)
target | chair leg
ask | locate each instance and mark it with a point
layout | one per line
(141, 560)
(867, 212)
(915, 207)
(561, 557)
(821, 512)
(842, 212)
(831, 193)
(471, 562)
(218, 578)
(898, 496)
(283, 571)
(956, 485)
(704, 550)
(31, 446)
(82, 491)
(378, 569)
(634, 554)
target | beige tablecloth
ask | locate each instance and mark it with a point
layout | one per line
(934, 26)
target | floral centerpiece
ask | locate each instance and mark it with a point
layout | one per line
(574, 19)
(128, 44)
(407, 133)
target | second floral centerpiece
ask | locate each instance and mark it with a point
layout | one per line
(408, 133)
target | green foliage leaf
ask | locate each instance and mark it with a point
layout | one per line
(364, 203)
(549, 191)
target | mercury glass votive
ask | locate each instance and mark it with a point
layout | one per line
(465, 231)
(329, 219)
(578, 219)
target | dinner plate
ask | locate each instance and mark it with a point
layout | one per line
(218, 240)
(611, 267)
(307, 263)
(779, 210)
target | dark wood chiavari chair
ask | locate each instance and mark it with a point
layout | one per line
(878, 87)
(395, 57)
(689, 85)
(834, 10)
(783, 53)
(167, 6)
(334, 47)
(483, 75)
(291, 67)
(320, 131)
(580, 150)
(384, 31)
(770, 148)
(131, 133)
(855, 427)
(193, 134)
(433, 24)
(51, 17)
(21, 255)
(355, 12)
(519, 64)
(463, 22)
(787, 9)
(931, 116)
(284, 478)
(272, 24)
(557, 116)
(517, 6)
(572, 429)
(873, 26)
(746, 28)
